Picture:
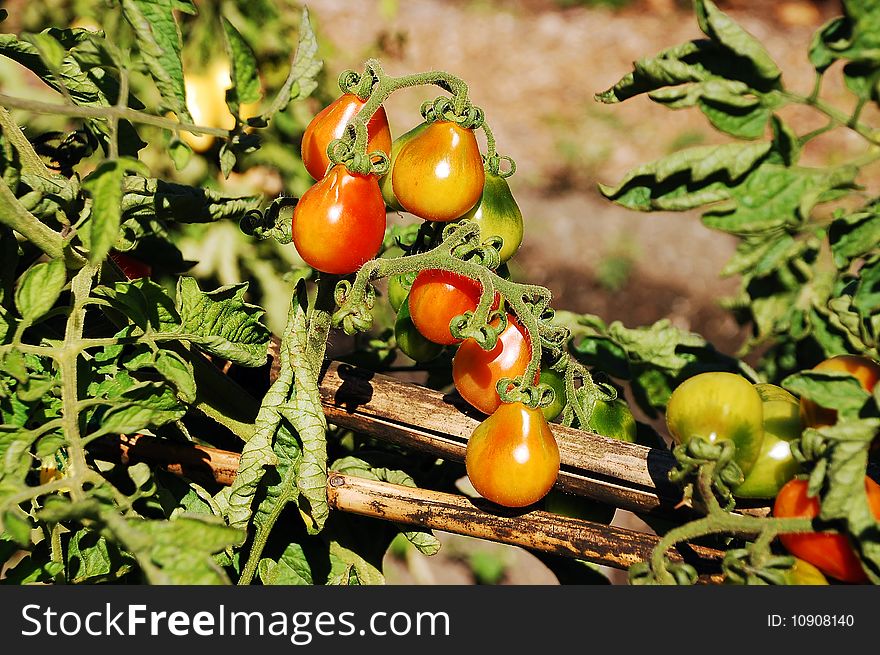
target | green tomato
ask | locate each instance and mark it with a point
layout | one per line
(718, 407)
(613, 419)
(398, 289)
(575, 507)
(776, 465)
(498, 215)
(556, 381)
(409, 339)
(385, 180)
(804, 573)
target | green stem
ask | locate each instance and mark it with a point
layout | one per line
(838, 117)
(30, 160)
(13, 215)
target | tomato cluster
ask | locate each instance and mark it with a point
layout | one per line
(761, 420)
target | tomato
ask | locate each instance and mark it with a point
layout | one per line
(436, 297)
(398, 290)
(410, 341)
(330, 124)
(556, 381)
(131, 267)
(575, 507)
(776, 465)
(718, 407)
(206, 102)
(512, 457)
(612, 418)
(498, 215)
(865, 370)
(804, 573)
(830, 553)
(438, 174)
(385, 182)
(475, 371)
(339, 223)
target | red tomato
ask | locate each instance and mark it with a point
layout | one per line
(330, 123)
(830, 553)
(438, 173)
(512, 457)
(131, 267)
(476, 371)
(436, 297)
(867, 371)
(339, 223)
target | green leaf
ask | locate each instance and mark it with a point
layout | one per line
(867, 297)
(245, 76)
(292, 568)
(39, 289)
(227, 159)
(143, 302)
(304, 69)
(855, 235)
(721, 28)
(831, 389)
(18, 527)
(180, 153)
(158, 37)
(171, 366)
(147, 404)
(105, 187)
(93, 559)
(221, 323)
(151, 198)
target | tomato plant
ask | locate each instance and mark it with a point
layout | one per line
(330, 123)
(438, 174)
(832, 554)
(512, 457)
(477, 372)
(339, 223)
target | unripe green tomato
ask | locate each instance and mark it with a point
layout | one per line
(385, 180)
(718, 407)
(613, 419)
(556, 381)
(409, 339)
(776, 465)
(804, 573)
(575, 507)
(398, 290)
(498, 215)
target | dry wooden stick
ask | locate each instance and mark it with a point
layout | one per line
(536, 530)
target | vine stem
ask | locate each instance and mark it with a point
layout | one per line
(838, 117)
(117, 112)
(14, 216)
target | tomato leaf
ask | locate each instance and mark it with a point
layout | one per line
(159, 42)
(245, 76)
(292, 568)
(105, 187)
(151, 198)
(39, 289)
(93, 559)
(831, 389)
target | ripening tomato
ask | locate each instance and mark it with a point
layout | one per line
(436, 297)
(339, 223)
(718, 407)
(803, 573)
(830, 553)
(398, 289)
(385, 182)
(776, 465)
(476, 372)
(555, 381)
(613, 418)
(438, 174)
(512, 457)
(330, 123)
(577, 507)
(410, 340)
(867, 371)
(131, 267)
(498, 215)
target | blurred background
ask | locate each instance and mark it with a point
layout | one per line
(534, 67)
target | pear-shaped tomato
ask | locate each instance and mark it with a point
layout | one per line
(556, 381)
(718, 407)
(476, 372)
(385, 182)
(410, 340)
(512, 457)
(339, 223)
(832, 554)
(438, 174)
(865, 370)
(330, 124)
(436, 297)
(498, 215)
(776, 465)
